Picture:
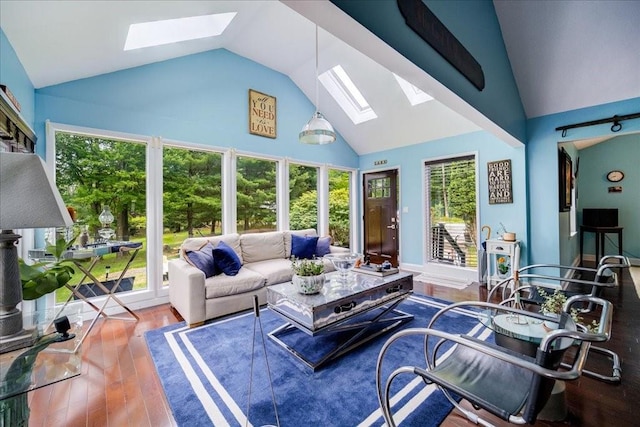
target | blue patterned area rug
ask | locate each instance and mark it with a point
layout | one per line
(205, 373)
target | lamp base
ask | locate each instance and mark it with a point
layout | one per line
(26, 338)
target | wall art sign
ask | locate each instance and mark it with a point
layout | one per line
(262, 114)
(500, 189)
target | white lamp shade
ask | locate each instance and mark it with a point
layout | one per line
(317, 131)
(28, 195)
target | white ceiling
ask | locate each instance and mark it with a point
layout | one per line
(565, 55)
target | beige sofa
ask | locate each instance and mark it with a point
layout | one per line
(265, 259)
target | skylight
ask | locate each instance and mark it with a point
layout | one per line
(414, 95)
(157, 33)
(347, 95)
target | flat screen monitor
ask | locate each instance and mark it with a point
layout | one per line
(600, 217)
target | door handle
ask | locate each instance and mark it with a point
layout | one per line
(392, 227)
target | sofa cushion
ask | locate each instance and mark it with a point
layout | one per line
(274, 270)
(323, 247)
(262, 246)
(222, 285)
(303, 246)
(195, 243)
(203, 260)
(226, 259)
(287, 238)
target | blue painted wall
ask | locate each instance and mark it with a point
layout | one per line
(620, 153)
(13, 75)
(475, 25)
(201, 98)
(542, 178)
(410, 161)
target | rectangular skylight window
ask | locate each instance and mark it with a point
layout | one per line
(347, 95)
(157, 33)
(414, 95)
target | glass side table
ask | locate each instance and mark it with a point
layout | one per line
(37, 366)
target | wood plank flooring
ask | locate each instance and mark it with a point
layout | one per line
(120, 387)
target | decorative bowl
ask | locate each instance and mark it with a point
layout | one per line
(343, 262)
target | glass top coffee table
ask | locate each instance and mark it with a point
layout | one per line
(364, 306)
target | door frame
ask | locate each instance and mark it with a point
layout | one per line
(361, 206)
(450, 272)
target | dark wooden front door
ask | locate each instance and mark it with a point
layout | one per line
(380, 191)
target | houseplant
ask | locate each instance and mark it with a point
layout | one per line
(308, 275)
(503, 266)
(46, 276)
(552, 307)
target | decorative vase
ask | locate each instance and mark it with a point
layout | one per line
(308, 284)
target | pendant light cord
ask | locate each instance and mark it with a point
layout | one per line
(317, 96)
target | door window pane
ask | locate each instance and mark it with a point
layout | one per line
(256, 195)
(339, 207)
(93, 173)
(303, 197)
(192, 198)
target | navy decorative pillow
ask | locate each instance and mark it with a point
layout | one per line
(303, 246)
(323, 246)
(226, 259)
(203, 260)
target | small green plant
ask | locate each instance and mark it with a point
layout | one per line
(503, 265)
(43, 277)
(307, 267)
(553, 303)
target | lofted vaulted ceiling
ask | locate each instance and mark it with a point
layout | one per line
(565, 55)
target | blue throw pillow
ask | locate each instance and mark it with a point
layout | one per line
(303, 246)
(203, 260)
(323, 246)
(226, 259)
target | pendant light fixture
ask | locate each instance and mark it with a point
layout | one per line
(317, 130)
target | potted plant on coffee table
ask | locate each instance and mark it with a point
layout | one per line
(308, 277)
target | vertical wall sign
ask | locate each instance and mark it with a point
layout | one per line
(262, 114)
(421, 20)
(500, 190)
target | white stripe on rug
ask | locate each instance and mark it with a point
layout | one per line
(207, 402)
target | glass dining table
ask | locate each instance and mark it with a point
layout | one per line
(523, 333)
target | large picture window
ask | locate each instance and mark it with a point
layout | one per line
(256, 195)
(93, 173)
(339, 207)
(192, 199)
(303, 197)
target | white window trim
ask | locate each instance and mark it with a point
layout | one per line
(155, 293)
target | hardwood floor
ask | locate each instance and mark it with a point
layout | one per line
(120, 387)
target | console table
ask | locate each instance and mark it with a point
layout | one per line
(496, 248)
(94, 253)
(600, 233)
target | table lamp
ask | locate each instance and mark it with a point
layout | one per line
(28, 199)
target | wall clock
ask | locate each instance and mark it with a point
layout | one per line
(615, 176)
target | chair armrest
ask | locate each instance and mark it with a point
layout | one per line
(186, 290)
